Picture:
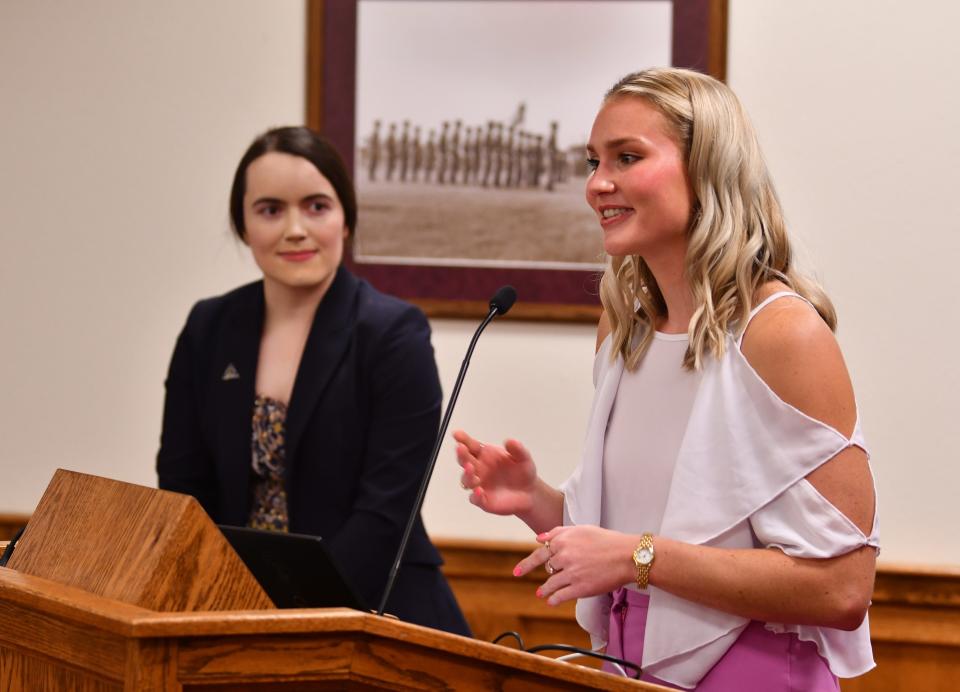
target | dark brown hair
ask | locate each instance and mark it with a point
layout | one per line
(307, 144)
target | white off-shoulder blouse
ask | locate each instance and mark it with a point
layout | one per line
(739, 481)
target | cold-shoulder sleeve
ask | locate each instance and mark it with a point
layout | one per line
(803, 523)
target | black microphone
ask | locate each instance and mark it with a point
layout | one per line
(501, 302)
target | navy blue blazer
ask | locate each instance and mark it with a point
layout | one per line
(361, 423)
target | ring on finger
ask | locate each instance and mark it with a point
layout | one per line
(550, 568)
(546, 544)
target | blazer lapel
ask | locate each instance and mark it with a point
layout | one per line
(235, 369)
(329, 338)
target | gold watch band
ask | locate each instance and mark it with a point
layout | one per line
(643, 556)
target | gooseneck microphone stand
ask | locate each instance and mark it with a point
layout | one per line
(501, 302)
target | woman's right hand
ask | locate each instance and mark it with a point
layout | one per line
(502, 480)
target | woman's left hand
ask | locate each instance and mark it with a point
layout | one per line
(582, 561)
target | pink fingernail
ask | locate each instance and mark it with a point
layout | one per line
(517, 571)
(539, 592)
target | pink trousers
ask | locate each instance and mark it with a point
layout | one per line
(759, 661)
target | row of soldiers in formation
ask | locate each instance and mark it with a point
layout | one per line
(493, 156)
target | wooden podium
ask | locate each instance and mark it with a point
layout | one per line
(120, 587)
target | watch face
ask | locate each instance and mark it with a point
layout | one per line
(644, 556)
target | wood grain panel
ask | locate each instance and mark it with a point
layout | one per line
(272, 649)
(384, 655)
(20, 672)
(36, 633)
(69, 603)
(895, 624)
(494, 601)
(10, 524)
(150, 666)
(385, 664)
(258, 659)
(138, 545)
(907, 668)
(415, 668)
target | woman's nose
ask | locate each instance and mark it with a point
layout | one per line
(294, 228)
(598, 184)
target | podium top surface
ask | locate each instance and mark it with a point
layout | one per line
(38, 595)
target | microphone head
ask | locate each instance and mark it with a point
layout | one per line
(503, 299)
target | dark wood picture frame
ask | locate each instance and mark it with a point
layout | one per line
(699, 41)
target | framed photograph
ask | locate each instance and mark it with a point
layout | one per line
(465, 123)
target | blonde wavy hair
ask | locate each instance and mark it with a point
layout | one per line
(737, 236)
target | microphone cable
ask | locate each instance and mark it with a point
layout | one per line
(619, 662)
(10, 546)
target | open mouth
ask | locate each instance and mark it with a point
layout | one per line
(609, 215)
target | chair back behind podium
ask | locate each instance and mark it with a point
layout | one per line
(119, 587)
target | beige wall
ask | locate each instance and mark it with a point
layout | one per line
(121, 121)
(120, 124)
(857, 103)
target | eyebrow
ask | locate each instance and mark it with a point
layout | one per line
(619, 142)
(308, 198)
(267, 200)
(318, 196)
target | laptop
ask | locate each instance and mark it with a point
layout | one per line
(295, 570)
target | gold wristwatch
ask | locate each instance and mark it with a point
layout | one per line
(643, 559)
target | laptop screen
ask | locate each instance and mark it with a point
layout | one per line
(295, 570)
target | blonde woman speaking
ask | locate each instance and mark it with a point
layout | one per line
(721, 528)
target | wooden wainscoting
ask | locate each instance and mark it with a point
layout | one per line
(915, 628)
(914, 619)
(10, 524)
(494, 601)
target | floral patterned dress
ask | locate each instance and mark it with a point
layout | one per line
(268, 459)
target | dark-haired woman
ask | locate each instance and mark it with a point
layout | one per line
(308, 401)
